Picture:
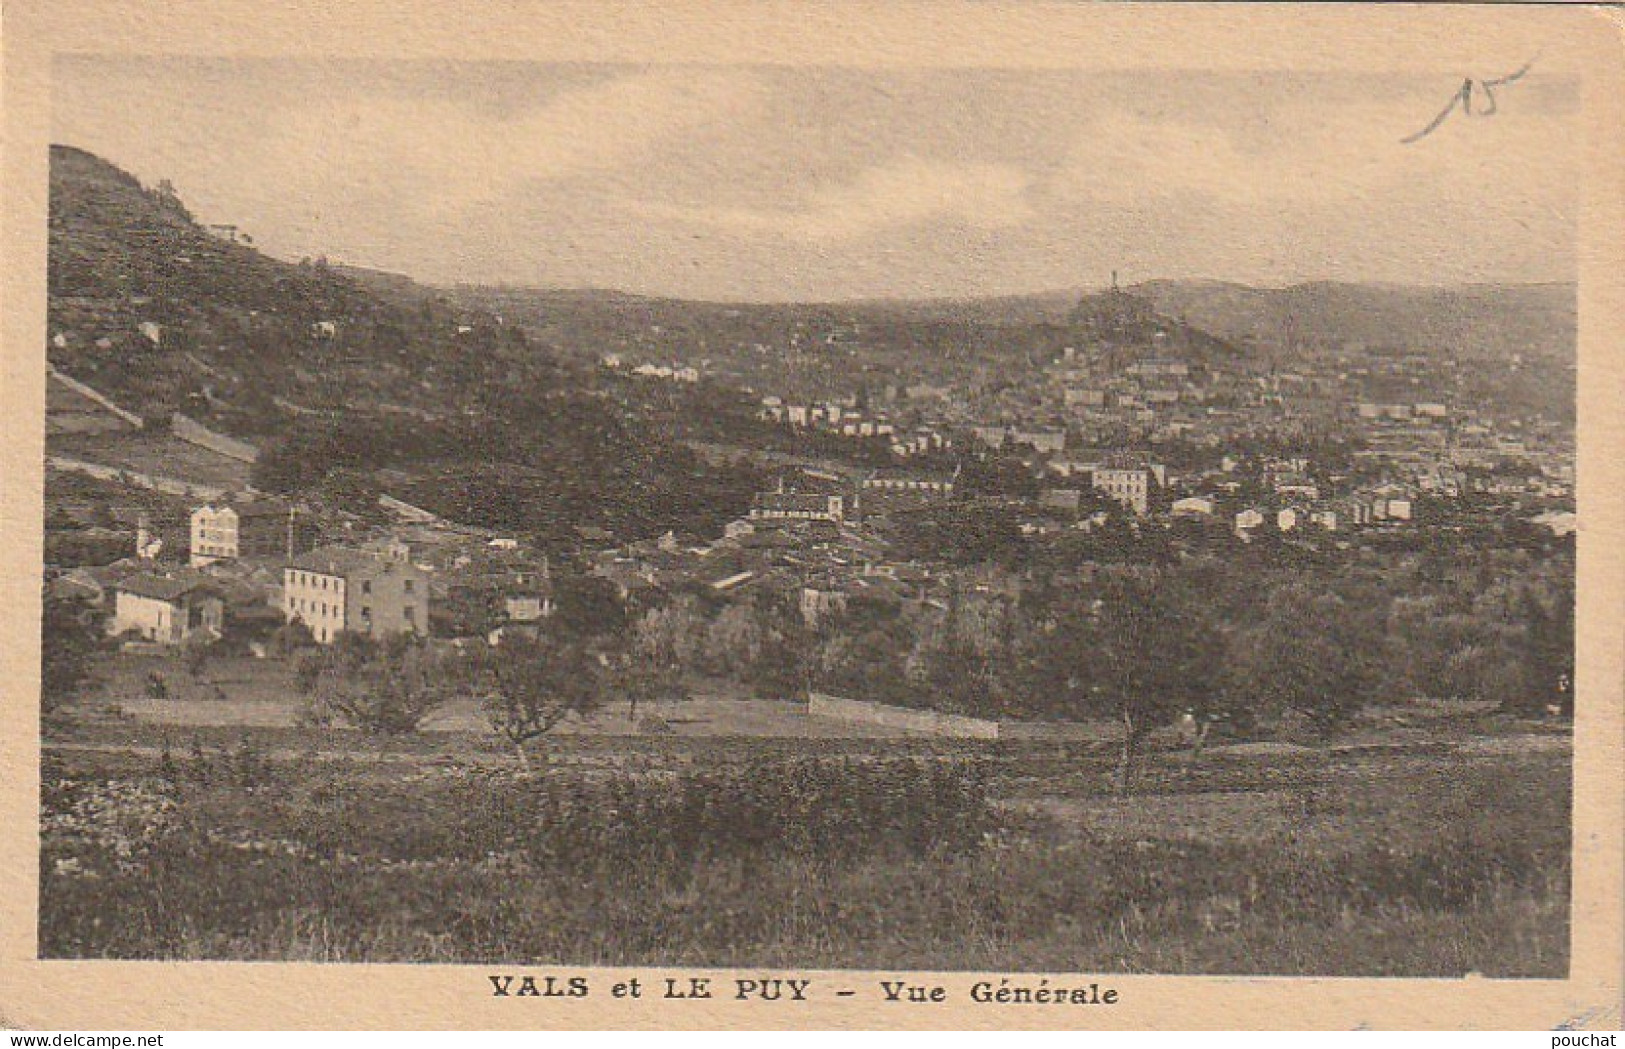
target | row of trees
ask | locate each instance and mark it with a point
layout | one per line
(527, 686)
(586, 659)
(1141, 645)
(1145, 645)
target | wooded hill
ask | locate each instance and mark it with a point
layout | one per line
(338, 374)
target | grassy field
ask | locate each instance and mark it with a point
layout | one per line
(278, 843)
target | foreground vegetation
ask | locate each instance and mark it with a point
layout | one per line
(1402, 864)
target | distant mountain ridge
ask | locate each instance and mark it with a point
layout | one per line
(1471, 321)
(237, 322)
(1475, 321)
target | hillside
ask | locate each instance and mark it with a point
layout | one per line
(1526, 332)
(1476, 321)
(829, 348)
(1513, 346)
(1493, 322)
(338, 374)
(114, 242)
(226, 327)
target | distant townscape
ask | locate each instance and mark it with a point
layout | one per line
(1323, 535)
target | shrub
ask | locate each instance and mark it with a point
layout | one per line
(856, 863)
(307, 671)
(69, 641)
(197, 655)
(382, 690)
(292, 637)
(828, 809)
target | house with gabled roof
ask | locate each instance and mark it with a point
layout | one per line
(167, 609)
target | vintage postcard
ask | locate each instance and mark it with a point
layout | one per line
(841, 515)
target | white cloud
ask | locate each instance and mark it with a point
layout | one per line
(885, 197)
(1342, 155)
(443, 155)
(727, 180)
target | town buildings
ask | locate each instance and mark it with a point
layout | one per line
(895, 491)
(250, 528)
(1131, 487)
(167, 609)
(375, 593)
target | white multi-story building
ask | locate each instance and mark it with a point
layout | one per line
(375, 593)
(248, 528)
(1130, 488)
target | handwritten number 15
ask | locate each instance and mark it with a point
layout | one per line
(1464, 98)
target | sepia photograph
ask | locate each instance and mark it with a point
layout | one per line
(543, 514)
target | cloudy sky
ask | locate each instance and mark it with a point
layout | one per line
(763, 183)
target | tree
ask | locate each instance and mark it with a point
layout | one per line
(998, 474)
(644, 682)
(1317, 654)
(963, 656)
(670, 636)
(68, 643)
(1143, 652)
(733, 640)
(666, 642)
(785, 661)
(533, 685)
(865, 663)
(587, 606)
(292, 637)
(1548, 652)
(197, 654)
(384, 690)
(307, 672)
(1498, 674)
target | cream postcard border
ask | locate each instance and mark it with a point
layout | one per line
(1463, 40)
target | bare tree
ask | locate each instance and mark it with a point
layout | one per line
(645, 681)
(385, 691)
(532, 686)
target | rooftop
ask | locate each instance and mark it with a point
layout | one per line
(339, 561)
(165, 588)
(255, 507)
